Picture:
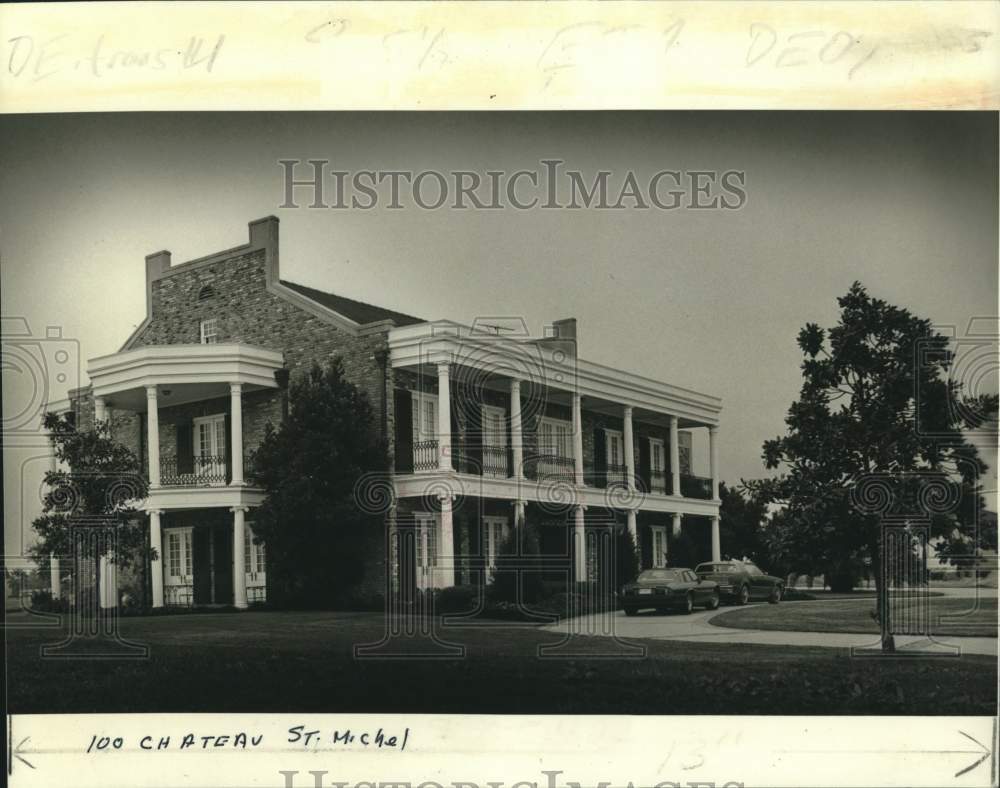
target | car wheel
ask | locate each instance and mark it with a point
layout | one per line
(775, 597)
(688, 605)
(630, 611)
(744, 595)
(713, 602)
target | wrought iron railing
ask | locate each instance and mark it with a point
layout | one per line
(205, 470)
(658, 482)
(178, 596)
(614, 474)
(696, 487)
(425, 455)
(550, 467)
(496, 461)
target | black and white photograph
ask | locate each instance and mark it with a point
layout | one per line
(633, 413)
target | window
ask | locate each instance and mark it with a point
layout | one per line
(684, 452)
(426, 541)
(174, 554)
(209, 331)
(555, 438)
(659, 546)
(206, 293)
(425, 409)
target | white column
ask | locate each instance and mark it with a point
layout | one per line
(716, 547)
(677, 525)
(153, 436)
(516, 439)
(236, 430)
(629, 448)
(713, 456)
(444, 418)
(632, 527)
(100, 410)
(239, 576)
(578, 440)
(579, 547)
(156, 565)
(56, 586)
(519, 514)
(675, 458)
(446, 548)
(109, 582)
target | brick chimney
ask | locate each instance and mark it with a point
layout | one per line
(561, 336)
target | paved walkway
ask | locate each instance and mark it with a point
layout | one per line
(696, 627)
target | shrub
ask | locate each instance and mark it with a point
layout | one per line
(507, 578)
(43, 602)
(457, 599)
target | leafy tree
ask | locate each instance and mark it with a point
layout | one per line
(318, 538)
(876, 408)
(740, 519)
(99, 491)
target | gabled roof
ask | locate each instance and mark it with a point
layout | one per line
(358, 311)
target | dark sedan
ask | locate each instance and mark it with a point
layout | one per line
(742, 581)
(669, 589)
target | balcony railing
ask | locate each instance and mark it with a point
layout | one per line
(696, 487)
(205, 471)
(658, 482)
(425, 455)
(496, 461)
(614, 474)
(550, 467)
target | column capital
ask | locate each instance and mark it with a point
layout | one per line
(157, 512)
(713, 429)
(580, 507)
(151, 391)
(446, 496)
(442, 367)
(235, 509)
(236, 388)
(627, 410)
(515, 383)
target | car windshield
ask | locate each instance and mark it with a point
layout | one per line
(718, 568)
(660, 575)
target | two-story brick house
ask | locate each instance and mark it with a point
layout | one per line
(487, 429)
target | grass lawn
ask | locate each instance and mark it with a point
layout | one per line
(948, 616)
(271, 662)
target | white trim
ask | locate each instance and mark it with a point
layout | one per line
(204, 325)
(491, 544)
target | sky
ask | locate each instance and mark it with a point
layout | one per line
(705, 299)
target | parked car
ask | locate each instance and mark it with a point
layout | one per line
(669, 589)
(741, 581)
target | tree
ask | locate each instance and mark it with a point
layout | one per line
(98, 492)
(740, 519)
(878, 424)
(514, 580)
(626, 557)
(318, 538)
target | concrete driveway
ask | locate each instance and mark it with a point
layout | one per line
(648, 625)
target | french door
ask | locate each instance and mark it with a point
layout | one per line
(494, 441)
(657, 465)
(659, 557)
(178, 575)
(426, 532)
(210, 448)
(254, 566)
(494, 533)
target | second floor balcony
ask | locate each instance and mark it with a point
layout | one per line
(498, 462)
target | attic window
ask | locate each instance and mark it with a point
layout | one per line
(206, 292)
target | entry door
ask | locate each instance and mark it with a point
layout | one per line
(177, 566)
(426, 527)
(254, 566)
(494, 441)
